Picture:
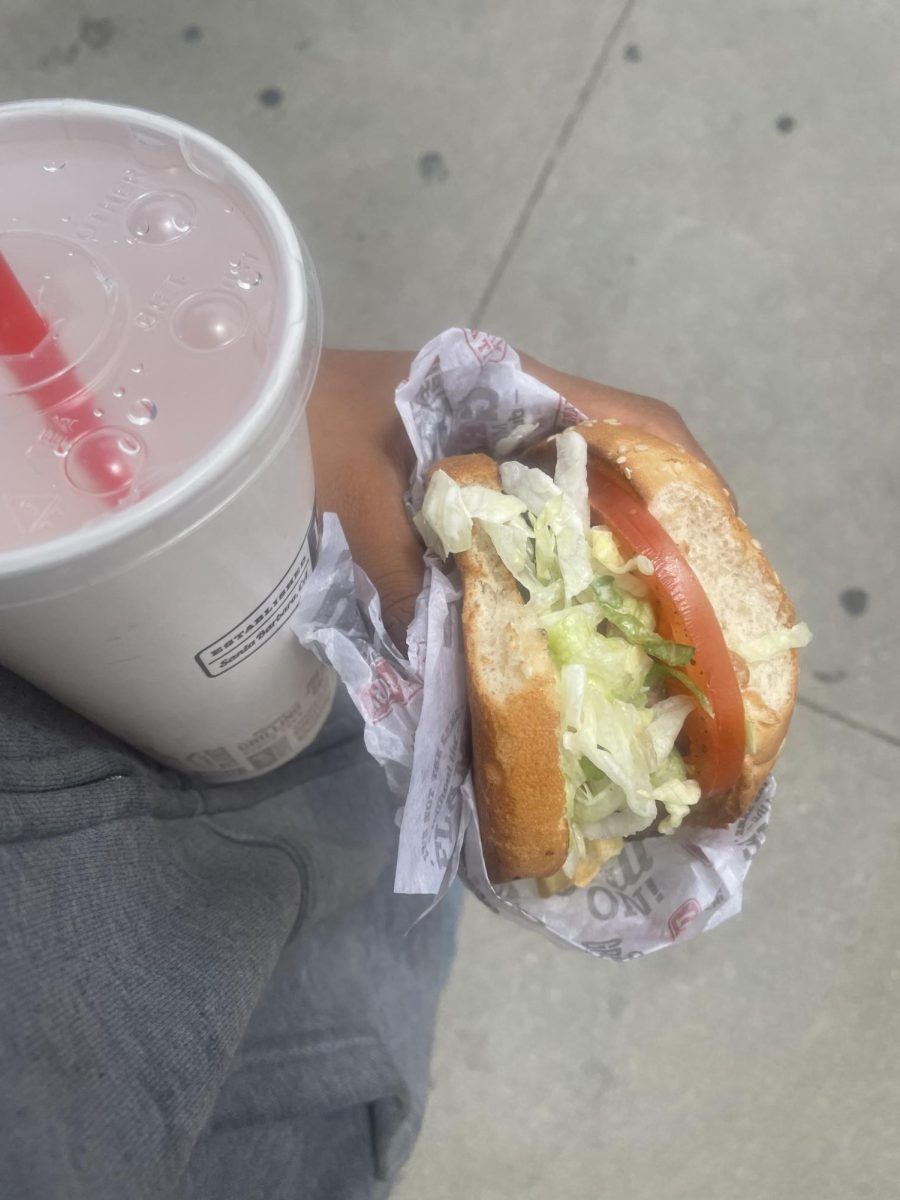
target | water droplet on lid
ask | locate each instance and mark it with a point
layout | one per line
(118, 392)
(54, 165)
(159, 217)
(46, 276)
(61, 449)
(104, 461)
(249, 279)
(65, 220)
(98, 412)
(137, 368)
(209, 320)
(142, 412)
(229, 209)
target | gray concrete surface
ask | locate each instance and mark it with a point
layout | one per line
(699, 200)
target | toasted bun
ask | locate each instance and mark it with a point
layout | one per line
(693, 507)
(513, 701)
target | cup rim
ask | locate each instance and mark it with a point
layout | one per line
(300, 295)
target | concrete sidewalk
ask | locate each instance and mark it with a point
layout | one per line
(696, 200)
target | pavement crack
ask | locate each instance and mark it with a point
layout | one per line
(560, 142)
(842, 719)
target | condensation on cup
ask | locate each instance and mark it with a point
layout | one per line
(157, 502)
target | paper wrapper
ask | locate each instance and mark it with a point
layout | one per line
(466, 392)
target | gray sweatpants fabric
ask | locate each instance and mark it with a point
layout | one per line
(205, 994)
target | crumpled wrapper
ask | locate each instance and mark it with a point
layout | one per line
(466, 392)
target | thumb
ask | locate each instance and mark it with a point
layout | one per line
(362, 461)
(398, 581)
(380, 535)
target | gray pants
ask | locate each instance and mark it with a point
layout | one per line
(204, 993)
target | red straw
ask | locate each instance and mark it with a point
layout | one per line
(39, 365)
(22, 328)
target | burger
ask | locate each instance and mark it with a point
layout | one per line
(631, 654)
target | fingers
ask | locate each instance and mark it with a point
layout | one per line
(362, 462)
(398, 601)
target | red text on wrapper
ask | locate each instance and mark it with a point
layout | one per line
(567, 414)
(682, 917)
(485, 346)
(387, 690)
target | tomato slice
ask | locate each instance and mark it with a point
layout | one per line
(684, 613)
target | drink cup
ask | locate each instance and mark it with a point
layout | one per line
(157, 501)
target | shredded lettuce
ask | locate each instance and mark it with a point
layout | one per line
(621, 824)
(511, 541)
(611, 592)
(545, 563)
(591, 808)
(572, 680)
(487, 504)
(528, 484)
(668, 717)
(672, 768)
(561, 549)
(774, 643)
(445, 513)
(445, 521)
(542, 598)
(572, 552)
(619, 756)
(631, 618)
(609, 559)
(621, 667)
(661, 671)
(428, 535)
(571, 473)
